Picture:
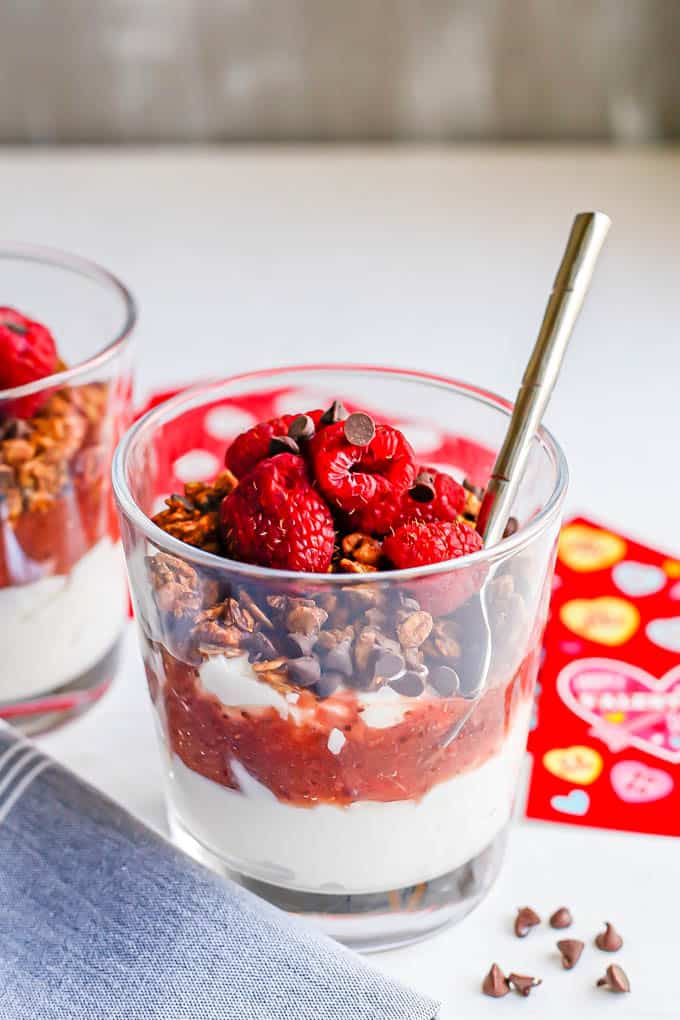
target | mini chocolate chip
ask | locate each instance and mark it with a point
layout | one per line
(328, 683)
(301, 427)
(259, 645)
(561, 918)
(511, 527)
(609, 940)
(410, 684)
(526, 919)
(445, 681)
(297, 646)
(387, 665)
(359, 429)
(339, 659)
(423, 490)
(335, 413)
(305, 671)
(616, 980)
(282, 444)
(495, 983)
(523, 984)
(570, 950)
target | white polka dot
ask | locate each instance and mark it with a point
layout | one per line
(227, 422)
(159, 504)
(301, 401)
(336, 741)
(196, 466)
(422, 439)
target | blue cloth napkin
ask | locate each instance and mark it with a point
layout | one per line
(102, 918)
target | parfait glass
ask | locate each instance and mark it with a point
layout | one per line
(63, 598)
(298, 760)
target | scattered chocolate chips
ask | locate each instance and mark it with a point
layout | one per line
(570, 950)
(523, 983)
(359, 429)
(282, 444)
(410, 684)
(445, 681)
(525, 920)
(328, 684)
(495, 984)
(335, 413)
(615, 980)
(609, 940)
(561, 918)
(423, 490)
(301, 428)
(511, 527)
(305, 671)
(339, 659)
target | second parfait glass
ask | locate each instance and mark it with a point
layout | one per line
(374, 793)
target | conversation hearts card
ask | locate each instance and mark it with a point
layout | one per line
(605, 735)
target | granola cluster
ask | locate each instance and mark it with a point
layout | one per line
(62, 443)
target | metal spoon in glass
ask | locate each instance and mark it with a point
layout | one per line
(574, 275)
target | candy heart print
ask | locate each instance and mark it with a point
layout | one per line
(576, 764)
(606, 621)
(637, 783)
(584, 549)
(625, 706)
(575, 803)
(638, 579)
(665, 633)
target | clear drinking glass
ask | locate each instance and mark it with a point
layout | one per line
(63, 599)
(378, 809)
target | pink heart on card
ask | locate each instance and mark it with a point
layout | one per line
(626, 706)
(637, 783)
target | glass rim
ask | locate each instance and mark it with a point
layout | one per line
(202, 393)
(83, 267)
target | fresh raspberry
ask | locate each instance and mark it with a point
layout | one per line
(446, 504)
(27, 352)
(417, 543)
(252, 446)
(367, 482)
(274, 518)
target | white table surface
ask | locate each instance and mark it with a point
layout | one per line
(442, 260)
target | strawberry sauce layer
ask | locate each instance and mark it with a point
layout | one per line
(293, 760)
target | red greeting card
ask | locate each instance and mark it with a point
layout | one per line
(605, 737)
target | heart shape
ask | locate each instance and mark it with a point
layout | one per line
(665, 633)
(575, 803)
(583, 548)
(674, 593)
(637, 783)
(606, 620)
(638, 579)
(576, 764)
(625, 705)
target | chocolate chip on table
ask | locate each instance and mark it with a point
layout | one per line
(561, 918)
(359, 429)
(615, 979)
(525, 920)
(305, 671)
(328, 684)
(445, 681)
(339, 659)
(423, 490)
(495, 984)
(282, 444)
(335, 413)
(511, 527)
(301, 428)
(609, 940)
(523, 983)
(410, 684)
(570, 950)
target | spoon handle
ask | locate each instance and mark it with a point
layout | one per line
(587, 236)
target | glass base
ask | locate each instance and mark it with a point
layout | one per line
(371, 922)
(53, 708)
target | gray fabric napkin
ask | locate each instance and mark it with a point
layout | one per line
(102, 918)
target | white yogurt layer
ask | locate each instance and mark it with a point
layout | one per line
(367, 846)
(53, 630)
